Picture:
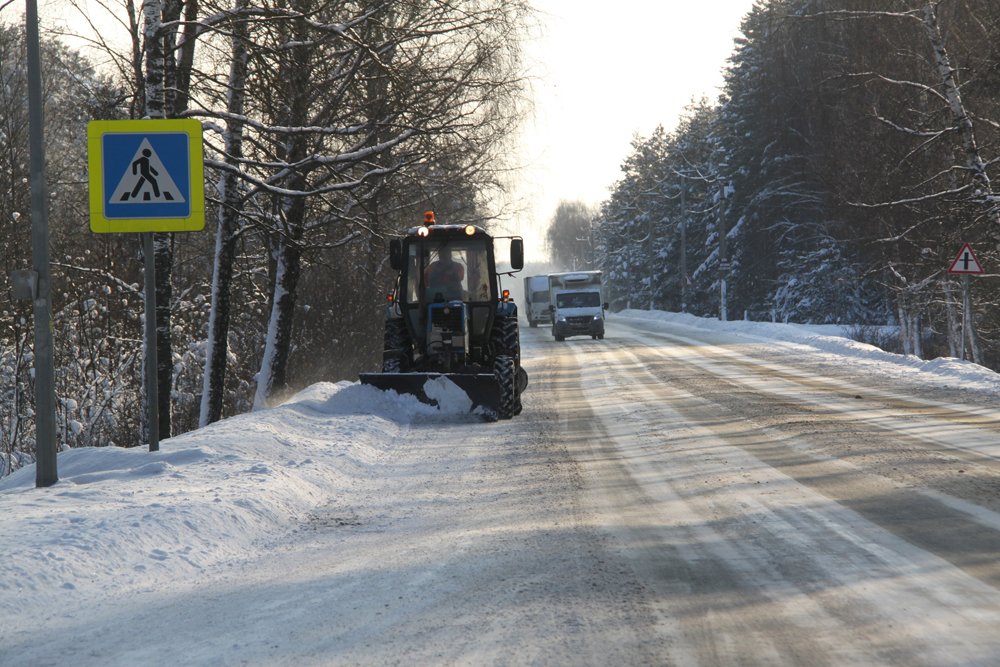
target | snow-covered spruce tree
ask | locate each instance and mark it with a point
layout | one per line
(694, 156)
(666, 194)
(628, 223)
(784, 239)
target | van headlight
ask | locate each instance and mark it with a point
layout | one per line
(561, 318)
(597, 318)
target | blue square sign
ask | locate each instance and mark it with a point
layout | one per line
(146, 175)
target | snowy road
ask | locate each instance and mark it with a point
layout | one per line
(779, 516)
(669, 496)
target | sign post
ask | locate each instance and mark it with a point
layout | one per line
(146, 176)
(46, 471)
(966, 264)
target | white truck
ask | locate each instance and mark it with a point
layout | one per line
(577, 304)
(536, 300)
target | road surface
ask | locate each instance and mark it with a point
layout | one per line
(667, 497)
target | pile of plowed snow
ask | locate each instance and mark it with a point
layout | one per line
(119, 518)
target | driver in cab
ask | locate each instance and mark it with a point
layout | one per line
(444, 276)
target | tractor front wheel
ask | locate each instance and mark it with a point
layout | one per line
(397, 338)
(505, 372)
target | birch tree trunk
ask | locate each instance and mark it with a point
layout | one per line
(977, 354)
(904, 328)
(914, 329)
(217, 345)
(279, 331)
(295, 71)
(951, 313)
(153, 13)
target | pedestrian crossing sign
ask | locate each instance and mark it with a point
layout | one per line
(146, 175)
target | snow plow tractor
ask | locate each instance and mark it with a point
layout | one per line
(448, 322)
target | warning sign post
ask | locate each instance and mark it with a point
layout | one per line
(147, 176)
(966, 264)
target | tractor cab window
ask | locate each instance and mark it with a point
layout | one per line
(448, 271)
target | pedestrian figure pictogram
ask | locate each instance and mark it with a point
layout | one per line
(147, 180)
(147, 173)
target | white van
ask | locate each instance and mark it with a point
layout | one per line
(576, 302)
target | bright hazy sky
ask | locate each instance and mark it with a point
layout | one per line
(603, 70)
(606, 70)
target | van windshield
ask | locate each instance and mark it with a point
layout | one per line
(578, 300)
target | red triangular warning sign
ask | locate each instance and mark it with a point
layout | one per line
(966, 262)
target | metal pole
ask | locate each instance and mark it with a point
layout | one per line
(965, 311)
(723, 259)
(152, 402)
(684, 275)
(649, 235)
(46, 473)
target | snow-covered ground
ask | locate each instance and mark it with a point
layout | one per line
(127, 520)
(123, 522)
(832, 342)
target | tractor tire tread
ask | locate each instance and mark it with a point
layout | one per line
(396, 338)
(505, 371)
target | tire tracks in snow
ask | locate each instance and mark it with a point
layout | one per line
(758, 551)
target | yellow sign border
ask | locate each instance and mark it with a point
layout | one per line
(96, 129)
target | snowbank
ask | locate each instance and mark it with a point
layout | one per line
(129, 518)
(832, 341)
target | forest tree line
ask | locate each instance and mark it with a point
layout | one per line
(851, 154)
(329, 127)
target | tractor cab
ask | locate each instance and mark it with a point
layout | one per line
(447, 318)
(448, 292)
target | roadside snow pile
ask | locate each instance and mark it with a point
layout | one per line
(359, 399)
(129, 518)
(833, 339)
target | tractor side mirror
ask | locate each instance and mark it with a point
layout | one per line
(517, 254)
(396, 254)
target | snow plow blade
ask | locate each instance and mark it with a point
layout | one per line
(482, 389)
